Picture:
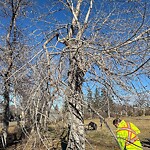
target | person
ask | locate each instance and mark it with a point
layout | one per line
(127, 135)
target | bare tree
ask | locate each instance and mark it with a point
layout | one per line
(76, 71)
(84, 42)
(108, 47)
(10, 49)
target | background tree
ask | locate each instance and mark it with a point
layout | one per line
(12, 48)
(89, 96)
(90, 102)
(97, 99)
(107, 104)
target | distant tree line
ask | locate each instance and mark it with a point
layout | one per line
(105, 104)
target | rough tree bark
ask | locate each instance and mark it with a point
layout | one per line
(76, 121)
(76, 74)
(10, 46)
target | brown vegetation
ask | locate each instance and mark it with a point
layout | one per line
(100, 139)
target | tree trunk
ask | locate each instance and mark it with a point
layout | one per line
(144, 111)
(76, 125)
(108, 105)
(5, 113)
(76, 121)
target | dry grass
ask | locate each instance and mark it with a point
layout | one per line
(101, 139)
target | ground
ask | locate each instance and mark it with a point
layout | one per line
(101, 139)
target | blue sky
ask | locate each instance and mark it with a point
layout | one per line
(62, 17)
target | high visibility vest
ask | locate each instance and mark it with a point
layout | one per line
(127, 136)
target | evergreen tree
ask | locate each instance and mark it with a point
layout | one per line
(97, 98)
(107, 103)
(89, 96)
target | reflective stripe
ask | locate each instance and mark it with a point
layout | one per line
(131, 132)
(127, 129)
(132, 141)
(129, 135)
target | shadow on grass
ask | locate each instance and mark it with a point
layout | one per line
(146, 143)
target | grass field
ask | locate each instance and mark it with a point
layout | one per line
(101, 139)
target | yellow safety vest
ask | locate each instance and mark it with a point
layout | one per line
(127, 136)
